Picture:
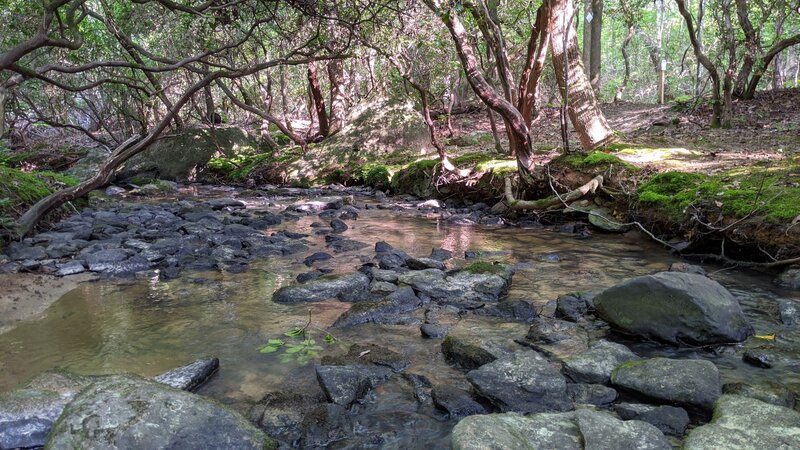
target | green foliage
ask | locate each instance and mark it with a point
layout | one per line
(373, 175)
(301, 347)
(239, 167)
(485, 267)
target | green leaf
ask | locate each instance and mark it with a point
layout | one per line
(276, 342)
(329, 338)
(293, 349)
(268, 349)
(294, 332)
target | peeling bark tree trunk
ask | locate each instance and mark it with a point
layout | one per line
(469, 62)
(716, 100)
(318, 100)
(587, 33)
(338, 97)
(537, 54)
(584, 112)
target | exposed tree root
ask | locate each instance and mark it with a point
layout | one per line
(544, 203)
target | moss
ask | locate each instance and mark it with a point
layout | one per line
(374, 175)
(238, 168)
(142, 180)
(594, 159)
(484, 267)
(19, 189)
(415, 178)
(497, 166)
(737, 193)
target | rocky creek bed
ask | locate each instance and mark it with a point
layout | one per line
(341, 318)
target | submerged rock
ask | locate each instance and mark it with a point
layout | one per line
(745, 423)
(556, 338)
(456, 402)
(790, 278)
(522, 382)
(342, 384)
(675, 307)
(472, 343)
(670, 420)
(388, 310)
(348, 287)
(690, 382)
(190, 376)
(119, 412)
(577, 430)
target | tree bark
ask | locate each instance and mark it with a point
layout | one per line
(318, 100)
(338, 98)
(716, 100)
(587, 33)
(469, 62)
(701, 12)
(751, 45)
(535, 60)
(584, 112)
(730, 73)
(3, 98)
(763, 65)
(627, 60)
(777, 67)
(597, 47)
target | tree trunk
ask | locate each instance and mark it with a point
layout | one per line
(338, 97)
(597, 48)
(3, 98)
(727, 85)
(318, 100)
(469, 62)
(498, 145)
(716, 100)
(627, 60)
(285, 99)
(701, 12)
(763, 65)
(211, 116)
(777, 66)
(587, 33)
(535, 60)
(584, 112)
(751, 45)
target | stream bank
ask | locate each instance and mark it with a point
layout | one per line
(425, 306)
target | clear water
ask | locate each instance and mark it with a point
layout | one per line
(147, 327)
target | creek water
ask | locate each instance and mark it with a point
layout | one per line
(146, 326)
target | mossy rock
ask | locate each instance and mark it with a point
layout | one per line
(593, 160)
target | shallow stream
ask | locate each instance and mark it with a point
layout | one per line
(146, 326)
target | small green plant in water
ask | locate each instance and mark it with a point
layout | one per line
(301, 347)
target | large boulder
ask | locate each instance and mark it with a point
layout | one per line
(675, 307)
(746, 423)
(184, 156)
(522, 382)
(124, 411)
(692, 382)
(577, 430)
(348, 287)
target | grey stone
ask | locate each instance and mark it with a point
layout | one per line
(346, 245)
(789, 278)
(591, 394)
(389, 276)
(521, 382)
(70, 268)
(27, 415)
(571, 307)
(690, 382)
(670, 420)
(463, 287)
(687, 268)
(455, 402)
(18, 251)
(433, 331)
(119, 412)
(745, 423)
(471, 344)
(596, 364)
(347, 287)
(767, 392)
(602, 431)
(385, 311)
(338, 226)
(602, 218)
(674, 307)
(318, 204)
(557, 338)
(424, 263)
(190, 376)
(105, 260)
(324, 425)
(382, 287)
(342, 384)
(789, 312)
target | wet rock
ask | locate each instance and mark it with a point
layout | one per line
(424, 263)
(433, 331)
(18, 251)
(70, 268)
(687, 268)
(767, 392)
(391, 259)
(338, 226)
(27, 416)
(421, 386)
(190, 376)
(104, 260)
(577, 430)
(324, 425)
(745, 423)
(556, 338)
(591, 394)
(674, 307)
(346, 245)
(789, 311)
(280, 414)
(342, 384)
(471, 344)
(517, 310)
(386, 311)
(475, 254)
(463, 287)
(389, 276)
(119, 412)
(670, 420)
(521, 382)
(596, 364)
(382, 247)
(790, 278)
(113, 191)
(571, 307)
(370, 355)
(382, 287)
(347, 287)
(222, 203)
(604, 220)
(759, 358)
(690, 382)
(318, 204)
(441, 254)
(455, 402)
(316, 257)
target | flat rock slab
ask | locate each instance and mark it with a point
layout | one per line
(123, 411)
(522, 382)
(690, 382)
(577, 430)
(746, 423)
(670, 420)
(456, 402)
(342, 384)
(472, 343)
(347, 287)
(679, 308)
(190, 376)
